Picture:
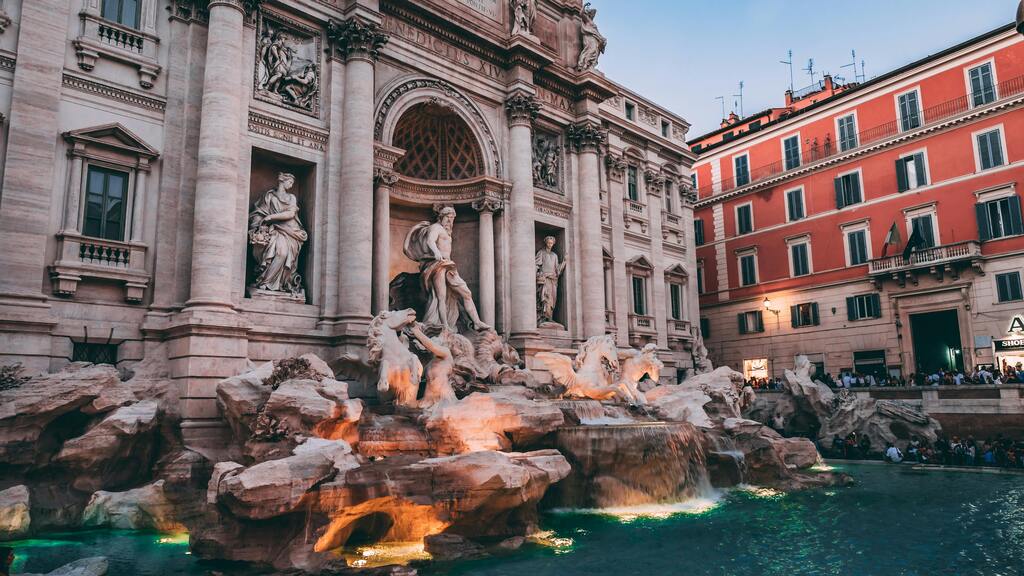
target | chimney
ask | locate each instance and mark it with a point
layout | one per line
(828, 83)
(789, 98)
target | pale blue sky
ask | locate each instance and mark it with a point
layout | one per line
(683, 53)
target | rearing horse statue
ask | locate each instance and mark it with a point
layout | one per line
(591, 374)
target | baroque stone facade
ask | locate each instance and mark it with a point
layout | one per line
(136, 145)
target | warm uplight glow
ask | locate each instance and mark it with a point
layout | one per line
(178, 538)
(767, 303)
(549, 539)
(653, 511)
(386, 553)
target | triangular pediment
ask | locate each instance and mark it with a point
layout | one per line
(676, 270)
(113, 136)
(640, 262)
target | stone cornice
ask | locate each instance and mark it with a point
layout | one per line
(357, 38)
(431, 23)
(416, 192)
(126, 96)
(521, 108)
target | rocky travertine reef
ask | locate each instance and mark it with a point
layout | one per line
(308, 475)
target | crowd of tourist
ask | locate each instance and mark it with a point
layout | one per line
(997, 451)
(981, 375)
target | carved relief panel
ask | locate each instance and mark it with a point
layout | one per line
(547, 161)
(287, 64)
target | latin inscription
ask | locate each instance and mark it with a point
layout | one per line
(441, 48)
(489, 8)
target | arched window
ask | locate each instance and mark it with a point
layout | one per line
(438, 144)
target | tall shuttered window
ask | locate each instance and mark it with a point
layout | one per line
(1008, 287)
(847, 132)
(791, 150)
(910, 111)
(748, 270)
(795, 204)
(800, 258)
(105, 196)
(124, 12)
(633, 183)
(675, 294)
(990, 149)
(744, 219)
(804, 315)
(750, 322)
(999, 218)
(741, 164)
(983, 90)
(911, 172)
(698, 232)
(925, 228)
(639, 296)
(700, 279)
(857, 242)
(847, 188)
(863, 307)
(669, 191)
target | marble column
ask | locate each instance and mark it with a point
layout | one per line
(587, 138)
(360, 42)
(654, 182)
(73, 206)
(487, 207)
(616, 165)
(214, 225)
(522, 109)
(139, 204)
(384, 180)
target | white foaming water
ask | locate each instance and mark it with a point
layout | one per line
(700, 505)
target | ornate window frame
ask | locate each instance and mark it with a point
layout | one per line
(78, 256)
(102, 38)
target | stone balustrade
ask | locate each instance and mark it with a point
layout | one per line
(81, 257)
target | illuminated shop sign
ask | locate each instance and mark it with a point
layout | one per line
(1016, 325)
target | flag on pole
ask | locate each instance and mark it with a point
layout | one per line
(892, 238)
(915, 242)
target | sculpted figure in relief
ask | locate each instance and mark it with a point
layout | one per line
(430, 244)
(545, 163)
(636, 363)
(523, 13)
(549, 270)
(592, 374)
(399, 370)
(276, 236)
(593, 42)
(286, 70)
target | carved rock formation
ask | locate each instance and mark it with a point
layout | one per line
(144, 508)
(15, 512)
(501, 420)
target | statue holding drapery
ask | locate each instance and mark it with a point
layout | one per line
(276, 236)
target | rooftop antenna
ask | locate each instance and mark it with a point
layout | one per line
(810, 69)
(857, 76)
(790, 64)
(722, 100)
(740, 96)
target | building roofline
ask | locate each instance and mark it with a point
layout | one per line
(853, 89)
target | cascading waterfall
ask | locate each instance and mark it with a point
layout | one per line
(631, 465)
(726, 462)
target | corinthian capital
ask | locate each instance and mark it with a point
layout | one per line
(357, 38)
(384, 177)
(248, 7)
(522, 108)
(616, 166)
(586, 136)
(487, 204)
(654, 177)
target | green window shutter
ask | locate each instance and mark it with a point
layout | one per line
(1002, 287)
(876, 306)
(855, 195)
(760, 321)
(901, 175)
(794, 316)
(1015, 225)
(742, 319)
(984, 230)
(814, 314)
(851, 308)
(922, 176)
(839, 193)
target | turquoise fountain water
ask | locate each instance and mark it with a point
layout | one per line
(895, 521)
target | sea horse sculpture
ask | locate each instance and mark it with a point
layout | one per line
(399, 370)
(591, 374)
(636, 363)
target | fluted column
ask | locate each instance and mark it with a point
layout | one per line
(487, 207)
(522, 109)
(360, 42)
(384, 180)
(587, 138)
(73, 206)
(213, 232)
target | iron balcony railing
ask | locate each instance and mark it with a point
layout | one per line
(926, 257)
(815, 150)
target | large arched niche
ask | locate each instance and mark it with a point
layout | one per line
(407, 93)
(438, 144)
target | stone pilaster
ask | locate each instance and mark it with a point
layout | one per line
(29, 176)
(655, 183)
(359, 42)
(616, 166)
(487, 207)
(384, 179)
(522, 109)
(587, 138)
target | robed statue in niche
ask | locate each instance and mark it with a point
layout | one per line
(276, 236)
(549, 270)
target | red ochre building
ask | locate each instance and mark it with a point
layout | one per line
(796, 204)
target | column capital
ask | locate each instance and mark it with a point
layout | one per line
(586, 136)
(247, 7)
(522, 108)
(384, 177)
(616, 165)
(488, 205)
(357, 38)
(654, 177)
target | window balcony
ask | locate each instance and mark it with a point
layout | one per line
(670, 220)
(679, 329)
(938, 261)
(83, 257)
(634, 216)
(641, 324)
(124, 44)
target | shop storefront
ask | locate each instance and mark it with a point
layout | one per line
(1009, 351)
